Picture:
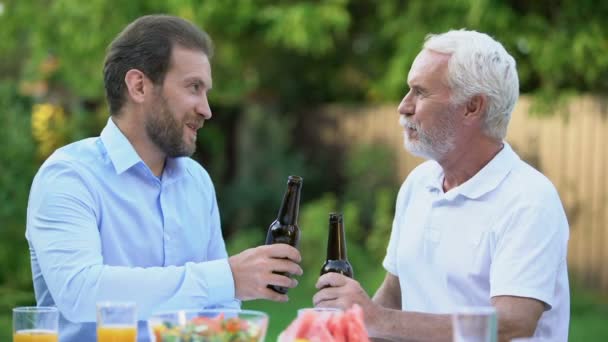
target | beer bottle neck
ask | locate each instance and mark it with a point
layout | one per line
(336, 242)
(290, 207)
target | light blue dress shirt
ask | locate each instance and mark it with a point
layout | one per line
(102, 227)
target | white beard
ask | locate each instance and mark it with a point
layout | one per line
(430, 144)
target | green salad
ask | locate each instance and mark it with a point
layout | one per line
(204, 329)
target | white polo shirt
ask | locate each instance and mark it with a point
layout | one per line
(503, 232)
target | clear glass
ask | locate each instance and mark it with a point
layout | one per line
(528, 339)
(319, 310)
(208, 324)
(474, 324)
(116, 322)
(35, 324)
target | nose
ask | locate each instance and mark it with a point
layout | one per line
(203, 108)
(406, 106)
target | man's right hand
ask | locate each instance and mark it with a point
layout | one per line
(253, 268)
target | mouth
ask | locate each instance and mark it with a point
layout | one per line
(407, 125)
(195, 126)
(410, 127)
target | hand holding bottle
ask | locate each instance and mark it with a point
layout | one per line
(336, 290)
(255, 268)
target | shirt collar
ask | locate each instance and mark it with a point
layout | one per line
(484, 181)
(175, 168)
(119, 149)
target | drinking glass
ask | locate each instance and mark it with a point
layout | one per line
(474, 324)
(35, 324)
(116, 322)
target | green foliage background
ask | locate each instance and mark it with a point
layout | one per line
(276, 62)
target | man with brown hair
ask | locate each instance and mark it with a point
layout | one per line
(128, 216)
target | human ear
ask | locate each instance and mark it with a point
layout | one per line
(476, 107)
(135, 81)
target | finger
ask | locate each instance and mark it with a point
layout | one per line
(330, 303)
(283, 250)
(274, 296)
(285, 265)
(331, 279)
(281, 280)
(327, 294)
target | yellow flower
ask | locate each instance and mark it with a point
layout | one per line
(48, 121)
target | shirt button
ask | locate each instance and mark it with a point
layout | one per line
(167, 237)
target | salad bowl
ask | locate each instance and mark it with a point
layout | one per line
(209, 325)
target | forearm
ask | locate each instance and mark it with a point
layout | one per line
(388, 294)
(73, 271)
(517, 316)
(69, 263)
(397, 325)
(193, 285)
(387, 299)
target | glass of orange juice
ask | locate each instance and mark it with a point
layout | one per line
(116, 322)
(35, 324)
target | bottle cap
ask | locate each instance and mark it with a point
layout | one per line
(335, 217)
(294, 179)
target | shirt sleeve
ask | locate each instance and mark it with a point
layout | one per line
(62, 229)
(530, 253)
(217, 250)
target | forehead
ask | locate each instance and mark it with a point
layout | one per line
(189, 63)
(428, 66)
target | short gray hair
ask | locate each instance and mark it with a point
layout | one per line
(480, 65)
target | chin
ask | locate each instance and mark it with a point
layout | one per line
(189, 147)
(189, 151)
(417, 150)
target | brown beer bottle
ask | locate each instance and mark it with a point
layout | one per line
(285, 228)
(337, 260)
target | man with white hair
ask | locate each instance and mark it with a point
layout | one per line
(474, 225)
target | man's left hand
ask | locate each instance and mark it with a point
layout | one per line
(339, 291)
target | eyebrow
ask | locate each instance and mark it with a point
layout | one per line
(196, 79)
(418, 88)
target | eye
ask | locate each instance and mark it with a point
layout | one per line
(196, 87)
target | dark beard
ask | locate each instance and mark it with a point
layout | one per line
(166, 132)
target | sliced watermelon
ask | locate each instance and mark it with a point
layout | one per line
(336, 328)
(314, 326)
(307, 320)
(318, 330)
(355, 325)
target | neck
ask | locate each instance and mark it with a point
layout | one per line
(151, 155)
(464, 162)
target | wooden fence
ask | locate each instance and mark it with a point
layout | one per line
(568, 147)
